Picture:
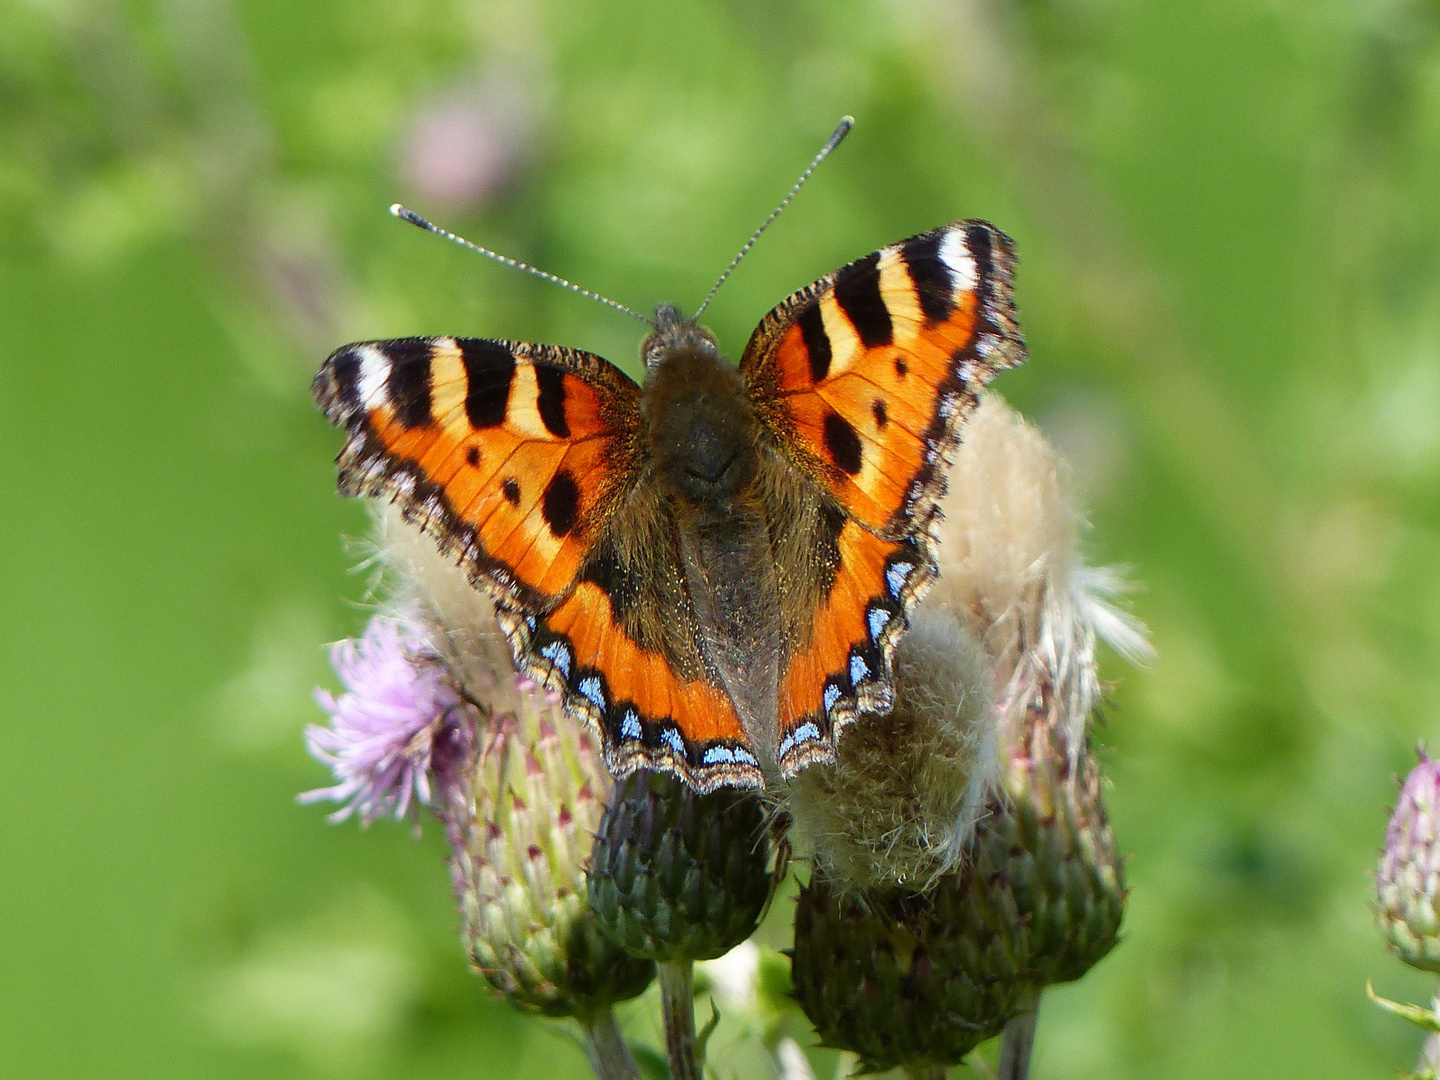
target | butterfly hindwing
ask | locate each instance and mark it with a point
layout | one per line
(508, 454)
(864, 380)
(845, 597)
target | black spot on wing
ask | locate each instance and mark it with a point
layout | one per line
(560, 504)
(817, 342)
(877, 409)
(511, 490)
(550, 401)
(843, 443)
(472, 456)
(408, 383)
(934, 284)
(489, 371)
(857, 291)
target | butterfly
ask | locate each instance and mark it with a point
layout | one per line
(712, 567)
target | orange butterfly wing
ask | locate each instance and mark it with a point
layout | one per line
(508, 454)
(865, 380)
(520, 461)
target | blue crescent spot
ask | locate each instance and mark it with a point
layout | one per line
(671, 738)
(859, 670)
(745, 756)
(590, 688)
(630, 726)
(830, 697)
(896, 576)
(718, 753)
(879, 618)
(806, 732)
(559, 655)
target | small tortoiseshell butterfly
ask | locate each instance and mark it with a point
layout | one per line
(713, 568)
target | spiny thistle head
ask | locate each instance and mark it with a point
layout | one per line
(900, 978)
(1407, 882)
(522, 841)
(680, 876)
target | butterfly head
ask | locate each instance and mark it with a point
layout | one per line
(675, 333)
(699, 420)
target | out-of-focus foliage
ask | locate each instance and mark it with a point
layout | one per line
(1228, 215)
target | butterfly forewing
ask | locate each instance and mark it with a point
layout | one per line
(868, 375)
(509, 454)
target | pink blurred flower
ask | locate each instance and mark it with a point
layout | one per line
(465, 146)
(399, 721)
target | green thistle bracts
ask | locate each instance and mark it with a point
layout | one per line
(536, 798)
(1044, 863)
(1407, 882)
(900, 978)
(679, 876)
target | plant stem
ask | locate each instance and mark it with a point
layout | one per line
(1016, 1041)
(605, 1046)
(677, 1004)
(926, 1072)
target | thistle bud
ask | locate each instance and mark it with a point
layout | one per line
(1045, 856)
(679, 876)
(1407, 883)
(534, 800)
(901, 978)
(1043, 853)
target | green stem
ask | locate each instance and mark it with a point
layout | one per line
(677, 1005)
(605, 1046)
(1016, 1042)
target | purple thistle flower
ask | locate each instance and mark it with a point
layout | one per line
(399, 720)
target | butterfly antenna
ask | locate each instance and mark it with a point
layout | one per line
(846, 123)
(406, 214)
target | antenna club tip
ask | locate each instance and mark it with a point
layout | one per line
(847, 121)
(396, 210)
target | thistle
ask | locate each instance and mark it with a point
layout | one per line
(677, 877)
(517, 786)
(900, 978)
(521, 836)
(1407, 882)
(1032, 893)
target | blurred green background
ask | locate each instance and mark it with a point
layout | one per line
(1228, 215)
